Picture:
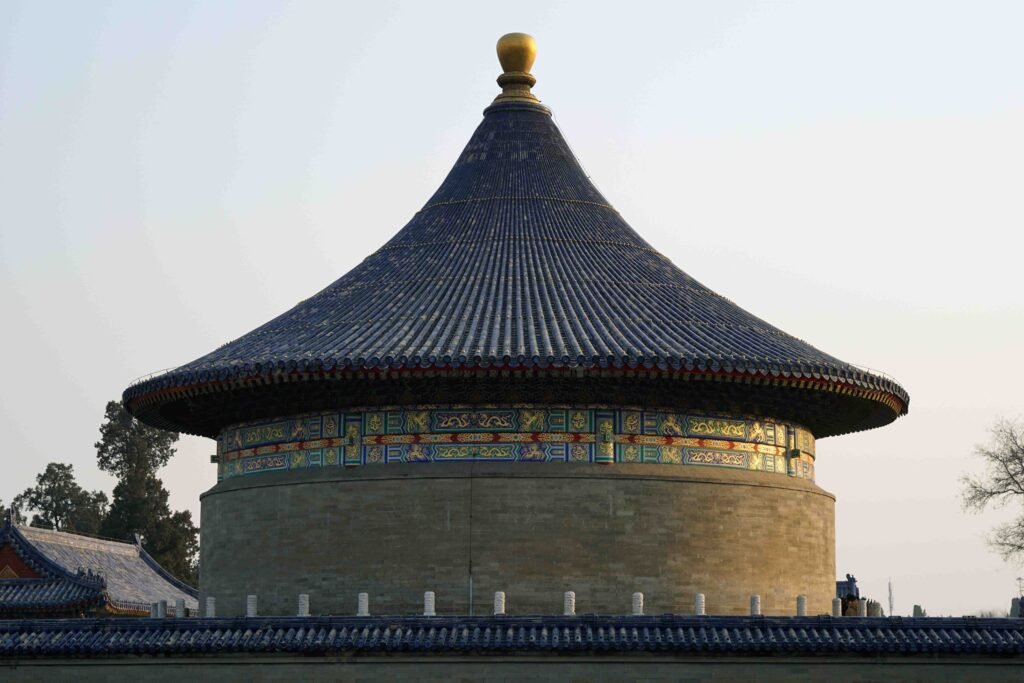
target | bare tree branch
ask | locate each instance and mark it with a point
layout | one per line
(1001, 483)
(1008, 539)
(1003, 479)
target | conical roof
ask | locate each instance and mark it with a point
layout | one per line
(518, 264)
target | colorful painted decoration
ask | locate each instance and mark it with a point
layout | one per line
(523, 433)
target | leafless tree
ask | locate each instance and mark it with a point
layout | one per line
(1001, 483)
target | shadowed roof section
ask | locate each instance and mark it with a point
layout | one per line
(517, 263)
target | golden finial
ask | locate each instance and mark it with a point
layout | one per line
(516, 52)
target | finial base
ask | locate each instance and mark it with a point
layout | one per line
(515, 87)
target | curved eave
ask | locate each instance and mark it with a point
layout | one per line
(166, 576)
(148, 400)
(58, 590)
(43, 564)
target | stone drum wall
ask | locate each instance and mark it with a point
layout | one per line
(531, 529)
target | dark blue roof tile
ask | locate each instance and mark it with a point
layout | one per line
(507, 634)
(24, 595)
(517, 260)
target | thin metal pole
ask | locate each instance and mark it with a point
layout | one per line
(470, 586)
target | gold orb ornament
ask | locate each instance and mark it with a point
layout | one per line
(516, 52)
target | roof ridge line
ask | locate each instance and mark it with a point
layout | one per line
(518, 238)
(166, 575)
(697, 323)
(518, 198)
(76, 539)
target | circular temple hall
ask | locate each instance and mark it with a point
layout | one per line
(517, 393)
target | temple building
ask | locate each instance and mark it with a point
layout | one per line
(53, 574)
(533, 448)
(517, 393)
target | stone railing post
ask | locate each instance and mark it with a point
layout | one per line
(363, 605)
(499, 603)
(638, 604)
(428, 604)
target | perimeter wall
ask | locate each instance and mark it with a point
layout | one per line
(270, 669)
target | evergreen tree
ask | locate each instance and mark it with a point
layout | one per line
(127, 446)
(60, 503)
(133, 452)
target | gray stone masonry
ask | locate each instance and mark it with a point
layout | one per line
(533, 530)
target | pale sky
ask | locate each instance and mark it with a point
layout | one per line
(174, 174)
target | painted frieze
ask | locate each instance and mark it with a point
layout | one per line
(599, 434)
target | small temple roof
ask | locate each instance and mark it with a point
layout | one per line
(43, 571)
(517, 262)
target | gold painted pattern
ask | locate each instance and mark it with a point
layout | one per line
(716, 427)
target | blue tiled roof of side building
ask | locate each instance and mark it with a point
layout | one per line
(130, 578)
(517, 260)
(33, 594)
(483, 635)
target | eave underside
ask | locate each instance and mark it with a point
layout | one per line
(826, 408)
